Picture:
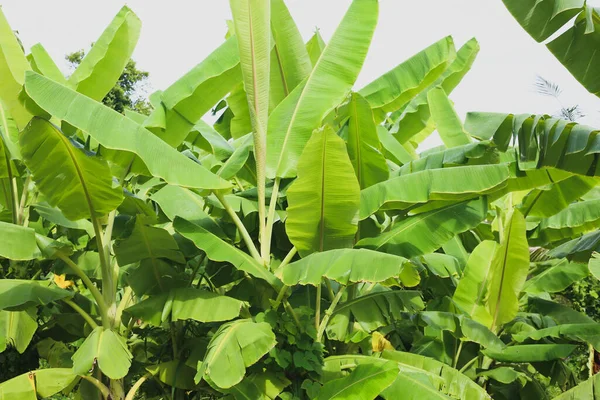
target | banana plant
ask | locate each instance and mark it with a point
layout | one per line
(301, 247)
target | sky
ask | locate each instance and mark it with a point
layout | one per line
(178, 34)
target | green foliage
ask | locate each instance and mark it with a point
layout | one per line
(301, 247)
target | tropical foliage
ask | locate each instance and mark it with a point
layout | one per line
(300, 247)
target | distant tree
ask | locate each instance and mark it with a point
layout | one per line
(128, 92)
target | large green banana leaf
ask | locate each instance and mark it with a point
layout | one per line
(577, 47)
(293, 61)
(43, 383)
(234, 347)
(218, 250)
(510, 265)
(415, 118)
(587, 390)
(261, 386)
(447, 122)
(107, 350)
(395, 88)
(548, 201)
(348, 266)
(323, 202)
(190, 97)
(459, 183)
(364, 147)
(583, 332)
(293, 121)
(185, 304)
(104, 63)
(579, 249)
(366, 382)
(115, 131)
(531, 352)
(20, 294)
(17, 242)
(13, 65)
(80, 185)
(17, 329)
(42, 63)
(393, 150)
(557, 277)
(314, 47)
(209, 140)
(426, 232)
(578, 218)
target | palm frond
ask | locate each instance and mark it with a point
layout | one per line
(547, 88)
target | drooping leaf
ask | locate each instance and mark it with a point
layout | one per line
(347, 266)
(579, 249)
(103, 64)
(17, 242)
(17, 329)
(447, 122)
(426, 232)
(13, 65)
(174, 373)
(209, 140)
(587, 390)
(104, 348)
(293, 121)
(557, 277)
(80, 185)
(583, 332)
(234, 347)
(263, 386)
(321, 211)
(218, 250)
(364, 147)
(18, 294)
(578, 218)
(459, 183)
(366, 381)
(531, 352)
(43, 383)
(115, 131)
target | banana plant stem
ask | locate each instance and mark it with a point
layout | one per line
(266, 243)
(288, 257)
(99, 385)
(107, 273)
(318, 307)
(243, 231)
(329, 313)
(23, 201)
(280, 296)
(82, 312)
(91, 287)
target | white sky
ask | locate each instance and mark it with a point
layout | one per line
(178, 34)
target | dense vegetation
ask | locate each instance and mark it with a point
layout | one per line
(301, 247)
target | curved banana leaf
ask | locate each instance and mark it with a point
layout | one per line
(577, 47)
(262, 386)
(238, 159)
(458, 183)
(594, 265)
(55, 216)
(531, 352)
(556, 278)
(395, 88)
(293, 121)
(558, 312)
(42, 63)
(315, 47)
(218, 250)
(43, 383)
(115, 131)
(447, 122)
(509, 269)
(548, 201)
(184, 304)
(574, 220)
(415, 118)
(579, 249)
(209, 140)
(364, 147)
(393, 150)
(104, 348)
(17, 242)
(80, 185)
(103, 64)
(17, 329)
(424, 233)
(323, 202)
(147, 242)
(347, 266)
(293, 61)
(366, 382)
(17, 294)
(13, 65)
(234, 347)
(174, 373)
(583, 332)
(185, 102)
(587, 390)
